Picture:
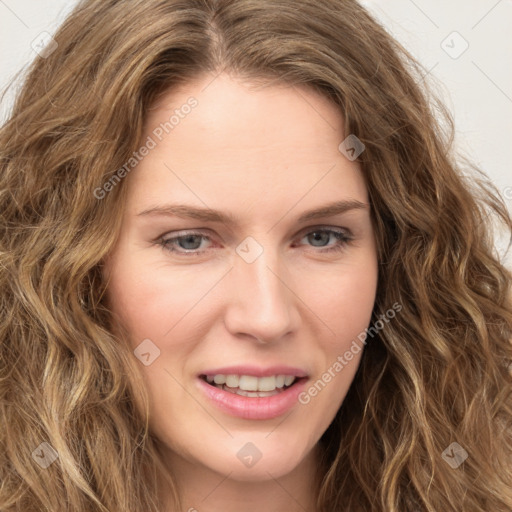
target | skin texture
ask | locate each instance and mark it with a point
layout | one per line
(264, 156)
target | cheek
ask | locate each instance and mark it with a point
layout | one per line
(344, 299)
(345, 306)
(150, 299)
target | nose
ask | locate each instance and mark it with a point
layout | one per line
(262, 304)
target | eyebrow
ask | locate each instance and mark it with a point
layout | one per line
(209, 215)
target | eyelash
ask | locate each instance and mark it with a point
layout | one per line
(342, 237)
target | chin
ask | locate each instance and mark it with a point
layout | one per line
(257, 456)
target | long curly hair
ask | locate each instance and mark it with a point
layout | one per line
(437, 374)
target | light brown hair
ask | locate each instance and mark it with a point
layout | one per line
(437, 374)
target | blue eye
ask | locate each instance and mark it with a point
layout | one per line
(189, 244)
(324, 235)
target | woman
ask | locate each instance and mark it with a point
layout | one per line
(241, 269)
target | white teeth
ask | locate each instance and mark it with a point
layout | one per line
(248, 383)
(266, 383)
(232, 381)
(288, 380)
(251, 383)
(254, 394)
(219, 379)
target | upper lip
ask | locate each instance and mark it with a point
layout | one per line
(256, 371)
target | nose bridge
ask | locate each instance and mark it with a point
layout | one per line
(262, 303)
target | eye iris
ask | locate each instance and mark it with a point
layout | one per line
(322, 234)
(190, 239)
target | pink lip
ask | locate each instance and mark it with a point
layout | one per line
(255, 371)
(257, 408)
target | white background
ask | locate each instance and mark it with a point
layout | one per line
(476, 86)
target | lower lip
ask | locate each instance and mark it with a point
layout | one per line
(253, 408)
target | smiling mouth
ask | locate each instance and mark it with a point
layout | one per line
(252, 386)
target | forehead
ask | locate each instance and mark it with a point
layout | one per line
(221, 137)
(229, 110)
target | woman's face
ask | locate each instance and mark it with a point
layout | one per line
(229, 263)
